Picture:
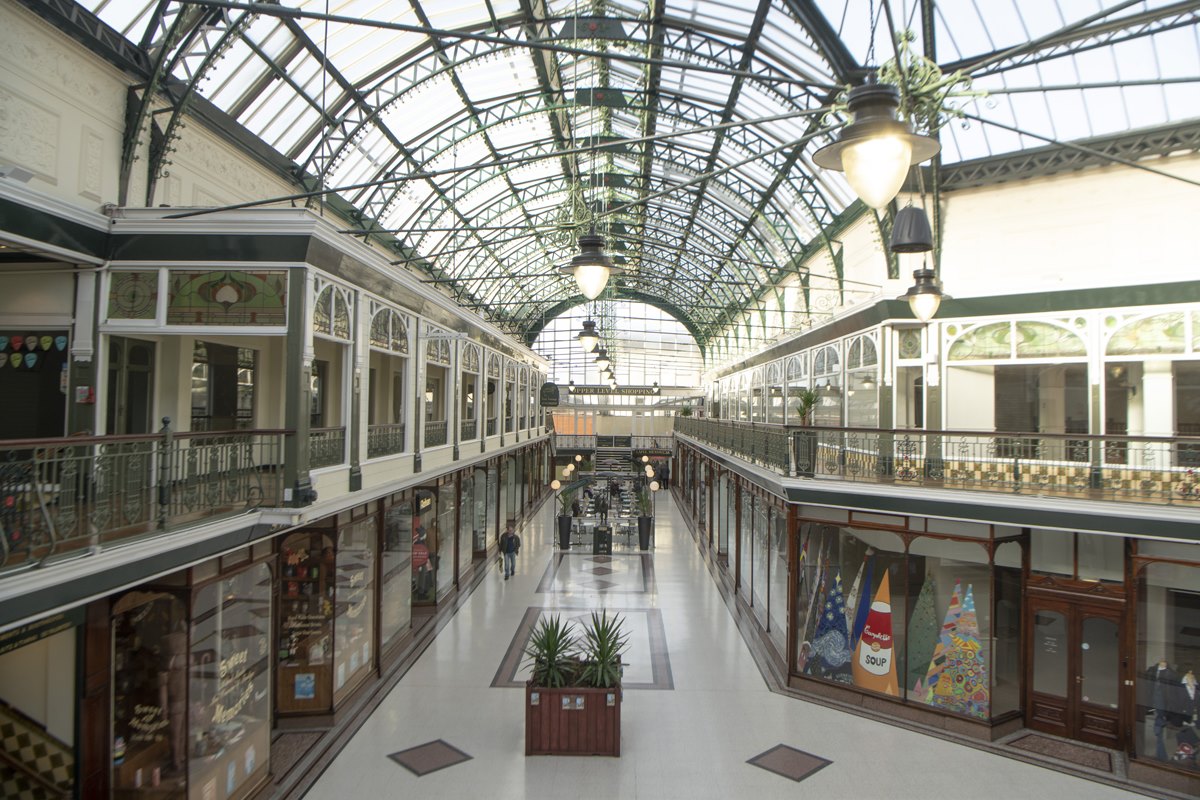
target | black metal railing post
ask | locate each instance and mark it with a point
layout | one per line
(164, 472)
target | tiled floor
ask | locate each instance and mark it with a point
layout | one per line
(702, 714)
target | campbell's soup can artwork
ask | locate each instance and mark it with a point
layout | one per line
(875, 661)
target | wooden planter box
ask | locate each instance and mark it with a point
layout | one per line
(572, 721)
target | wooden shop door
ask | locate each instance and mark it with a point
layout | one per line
(1074, 670)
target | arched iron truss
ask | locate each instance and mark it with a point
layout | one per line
(669, 119)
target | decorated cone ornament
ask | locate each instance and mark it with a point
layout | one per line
(31, 342)
(46, 342)
(875, 659)
(17, 341)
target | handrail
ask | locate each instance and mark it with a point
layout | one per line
(1154, 469)
(82, 492)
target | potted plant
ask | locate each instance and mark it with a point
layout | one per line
(645, 520)
(565, 499)
(804, 443)
(573, 696)
(686, 411)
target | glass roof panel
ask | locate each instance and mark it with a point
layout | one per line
(1096, 73)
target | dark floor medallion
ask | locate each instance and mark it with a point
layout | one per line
(429, 757)
(789, 762)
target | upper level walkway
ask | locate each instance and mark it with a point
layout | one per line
(696, 705)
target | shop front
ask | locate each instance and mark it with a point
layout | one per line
(190, 683)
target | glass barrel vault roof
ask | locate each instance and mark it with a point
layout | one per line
(485, 135)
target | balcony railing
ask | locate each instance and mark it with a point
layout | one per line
(467, 430)
(385, 440)
(78, 494)
(574, 441)
(1123, 468)
(435, 433)
(326, 447)
(491, 427)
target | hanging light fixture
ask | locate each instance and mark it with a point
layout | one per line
(591, 267)
(601, 361)
(876, 149)
(912, 235)
(925, 295)
(556, 484)
(588, 338)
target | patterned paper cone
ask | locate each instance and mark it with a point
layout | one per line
(875, 661)
(922, 635)
(949, 625)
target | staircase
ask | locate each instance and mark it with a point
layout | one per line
(614, 461)
(33, 764)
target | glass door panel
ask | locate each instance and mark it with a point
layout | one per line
(1050, 653)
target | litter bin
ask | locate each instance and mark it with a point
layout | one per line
(602, 541)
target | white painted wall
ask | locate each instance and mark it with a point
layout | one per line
(39, 680)
(970, 403)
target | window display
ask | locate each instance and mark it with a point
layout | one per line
(396, 561)
(466, 508)
(777, 594)
(424, 548)
(306, 594)
(1167, 725)
(445, 530)
(479, 509)
(229, 739)
(150, 685)
(354, 605)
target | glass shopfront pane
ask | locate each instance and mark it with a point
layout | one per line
(726, 517)
(395, 614)
(150, 684)
(760, 558)
(817, 542)
(1101, 558)
(306, 592)
(745, 545)
(1168, 661)
(856, 639)
(1100, 658)
(229, 742)
(493, 507)
(949, 626)
(778, 571)
(445, 538)
(1050, 653)
(354, 607)
(424, 548)
(1006, 655)
(466, 509)
(479, 510)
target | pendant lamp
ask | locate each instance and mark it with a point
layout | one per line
(912, 234)
(588, 338)
(591, 267)
(876, 149)
(601, 359)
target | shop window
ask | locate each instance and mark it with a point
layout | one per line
(1006, 629)
(424, 548)
(229, 739)
(396, 570)
(445, 537)
(466, 505)
(1080, 556)
(354, 606)
(150, 696)
(33, 384)
(1167, 723)
(223, 380)
(778, 576)
(949, 627)
(306, 596)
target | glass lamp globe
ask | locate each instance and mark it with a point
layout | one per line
(588, 338)
(645, 459)
(602, 359)
(556, 484)
(924, 306)
(876, 168)
(592, 278)
(654, 486)
(578, 457)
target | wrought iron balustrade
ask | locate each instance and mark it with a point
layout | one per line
(1122, 468)
(385, 440)
(77, 494)
(326, 447)
(467, 430)
(574, 441)
(435, 433)
(491, 427)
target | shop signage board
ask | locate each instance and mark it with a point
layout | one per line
(549, 395)
(35, 631)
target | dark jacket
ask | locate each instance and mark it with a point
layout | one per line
(510, 543)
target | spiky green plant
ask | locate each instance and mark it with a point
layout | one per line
(552, 650)
(600, 651)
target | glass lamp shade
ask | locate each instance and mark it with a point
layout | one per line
(592, 278)
(588, 338)
(556, 484)
(876, 150)
(645, 459)
(578, 458)
(654, 486)
(911, 232)
(570, 468)
(876, 168)
(649, 472)
(925, 295)
(566, 473)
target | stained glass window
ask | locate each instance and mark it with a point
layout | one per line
(227, 297)
(133, 295)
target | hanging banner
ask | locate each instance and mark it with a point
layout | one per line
(620, 390)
